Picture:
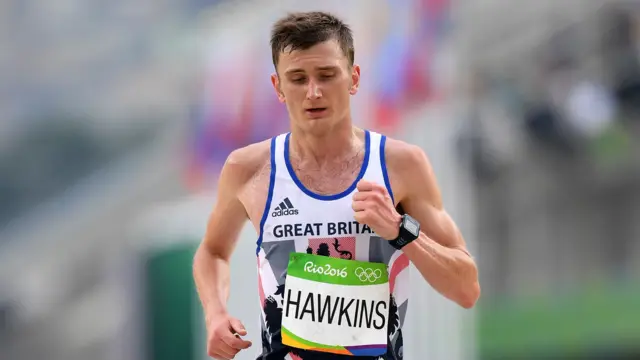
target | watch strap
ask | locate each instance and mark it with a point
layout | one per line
(405, 237)
(398, 243)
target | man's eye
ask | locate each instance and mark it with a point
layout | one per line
(326, 76)
(298, 80)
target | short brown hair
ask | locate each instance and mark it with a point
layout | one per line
(302, 30)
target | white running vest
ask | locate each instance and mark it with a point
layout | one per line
(296, 219)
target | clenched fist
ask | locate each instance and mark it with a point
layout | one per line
(223, 337)
(373, 207)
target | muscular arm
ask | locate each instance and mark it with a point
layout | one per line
(211, 261)
(440, 253)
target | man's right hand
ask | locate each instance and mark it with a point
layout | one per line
(223, 337)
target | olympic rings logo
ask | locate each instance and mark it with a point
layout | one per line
(368, 274)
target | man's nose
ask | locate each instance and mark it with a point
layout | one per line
(313, 91)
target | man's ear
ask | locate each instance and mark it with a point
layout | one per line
(355, 79)
(275, 81)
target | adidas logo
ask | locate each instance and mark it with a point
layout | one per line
(285, 208)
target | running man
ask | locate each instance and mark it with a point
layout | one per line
(340, 213)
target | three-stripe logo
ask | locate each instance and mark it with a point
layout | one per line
(284, 208)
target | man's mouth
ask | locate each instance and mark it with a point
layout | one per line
(316, 109)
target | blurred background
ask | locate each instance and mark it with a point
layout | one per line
(117, 115)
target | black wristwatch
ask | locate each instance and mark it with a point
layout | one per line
(409, 231)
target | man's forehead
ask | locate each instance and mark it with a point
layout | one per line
(318, 57)
(296, 69)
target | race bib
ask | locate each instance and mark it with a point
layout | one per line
(335, 305)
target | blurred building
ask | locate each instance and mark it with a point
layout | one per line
(550, 132)
(94, 97)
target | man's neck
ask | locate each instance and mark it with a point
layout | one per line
(336, 144)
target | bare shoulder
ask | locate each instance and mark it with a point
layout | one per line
(249, 171)
(251, 156)
(409, 169)
(245, 163)
(230, 212)
(399, 153)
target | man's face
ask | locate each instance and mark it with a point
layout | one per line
(316, 85)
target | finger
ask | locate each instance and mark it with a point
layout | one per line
(375, 196)
(226, 350)
(220, 349)
(237, 327)
(361, 216)
(236, 342)
(359, 205)
(364, 185)
(374, 189)
(359, 196)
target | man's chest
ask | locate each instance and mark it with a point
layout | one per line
(330, 181)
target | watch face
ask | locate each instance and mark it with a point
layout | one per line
(411, 227)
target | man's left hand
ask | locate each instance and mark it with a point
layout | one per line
(373, 206)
